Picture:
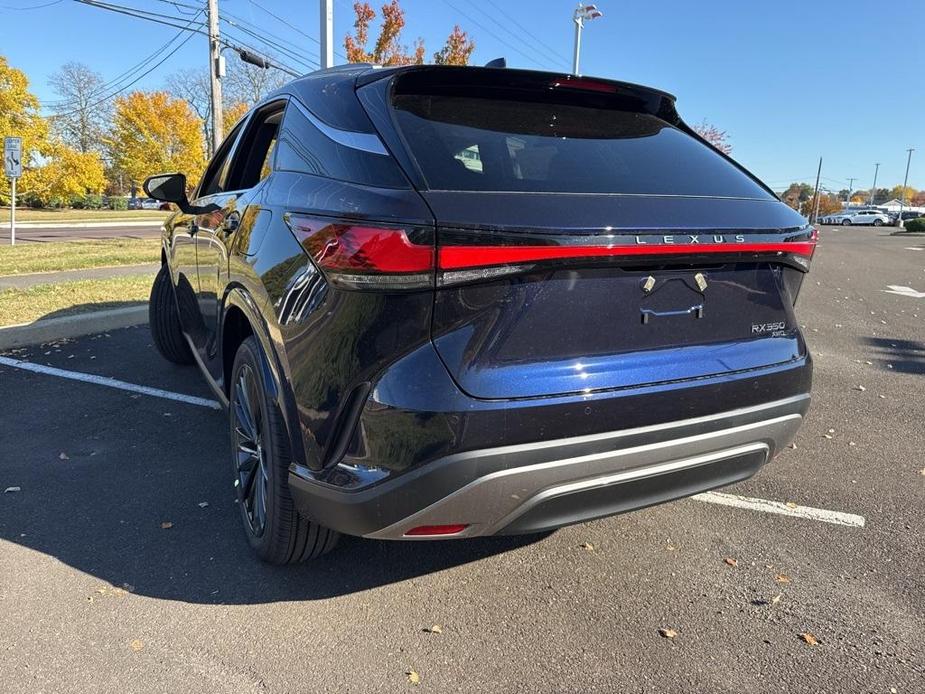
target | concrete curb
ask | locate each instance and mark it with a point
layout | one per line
(86, 225)
(71, 326)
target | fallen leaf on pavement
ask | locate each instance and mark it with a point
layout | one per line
(63, 456)
(782, 578)
(791, 504)
(809, 638)
(203, 504)
(435, 629)
(860, 388)
(10, 490)
(776, 599)
(731, 561)
(587, 545)
(667, 632)
(413, 677)
(136, 645)
(166, 525)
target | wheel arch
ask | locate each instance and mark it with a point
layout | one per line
(242, 318)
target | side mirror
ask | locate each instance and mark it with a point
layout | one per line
(171, 187)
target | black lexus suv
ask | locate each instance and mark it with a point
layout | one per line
(443, 302)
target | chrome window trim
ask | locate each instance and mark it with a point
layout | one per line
(366, 142)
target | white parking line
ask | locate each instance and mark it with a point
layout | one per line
(108, 382)
(765, 506)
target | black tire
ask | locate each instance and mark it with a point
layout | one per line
(260, 460)
(846, 222)
(164, 321)
(878, 223)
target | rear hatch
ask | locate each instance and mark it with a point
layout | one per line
(587, 240)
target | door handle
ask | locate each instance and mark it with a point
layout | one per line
(231, 223)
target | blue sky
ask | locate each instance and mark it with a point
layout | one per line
(789, 82)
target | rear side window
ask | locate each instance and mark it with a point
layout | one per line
(303, 148)
(555, 143)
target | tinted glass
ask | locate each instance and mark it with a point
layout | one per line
(482, 144)
(213, 181)
(302, 148)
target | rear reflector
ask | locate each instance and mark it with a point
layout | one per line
(363, 256)
(424, 530)
(464, 257)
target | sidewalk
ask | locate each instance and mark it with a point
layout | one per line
(81, 224)
(97, 273)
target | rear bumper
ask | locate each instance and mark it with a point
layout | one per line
(536, 486)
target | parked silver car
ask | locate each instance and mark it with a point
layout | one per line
(861, 217)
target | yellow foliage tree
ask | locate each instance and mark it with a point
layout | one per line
(19, 116)
(232, 114)
(152, 133)
(66, 173)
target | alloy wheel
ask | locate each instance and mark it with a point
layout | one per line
(252, 479)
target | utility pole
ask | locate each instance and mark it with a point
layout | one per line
(327, 33)
(582, 12)
(216, 72)
(873, 188)
(902, 193)
(814, 210)
(850, 188)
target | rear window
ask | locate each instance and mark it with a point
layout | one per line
(555, 143)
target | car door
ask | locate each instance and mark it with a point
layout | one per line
(184, 244)
(249, 165)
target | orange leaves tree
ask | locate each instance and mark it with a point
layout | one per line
(387, 49)
(716, 137)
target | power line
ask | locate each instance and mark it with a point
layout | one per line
(290, 25)
(538, 47)
(137, 79)
(140, 14)
(295, 53)
(32, 7)
(492, 33)
(114, 81)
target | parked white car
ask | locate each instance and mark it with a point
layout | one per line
(861, 217)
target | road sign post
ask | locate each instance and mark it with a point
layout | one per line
(12, 165)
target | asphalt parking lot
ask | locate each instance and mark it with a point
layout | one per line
(123, 569)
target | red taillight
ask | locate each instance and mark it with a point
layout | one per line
(367, 257)
(584, 84)
(424, 530)
(466, 257)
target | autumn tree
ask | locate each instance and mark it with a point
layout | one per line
(388, 49)
(20, 117)
(716, 137)
(829, 204)
(918, 200)
(80, 116)
(232, 114)
(65, 174)
(900, 193)
(457, 50)
(154, 132)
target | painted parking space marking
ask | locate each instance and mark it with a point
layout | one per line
(780, 508)
(733, 500)
(108, 382)
(903, 291)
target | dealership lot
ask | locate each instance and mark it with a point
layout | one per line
(122, 566)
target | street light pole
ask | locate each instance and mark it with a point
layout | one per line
(873, 188)
(582, 12)
(327, 33)
(848, 196)
(902, 193)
